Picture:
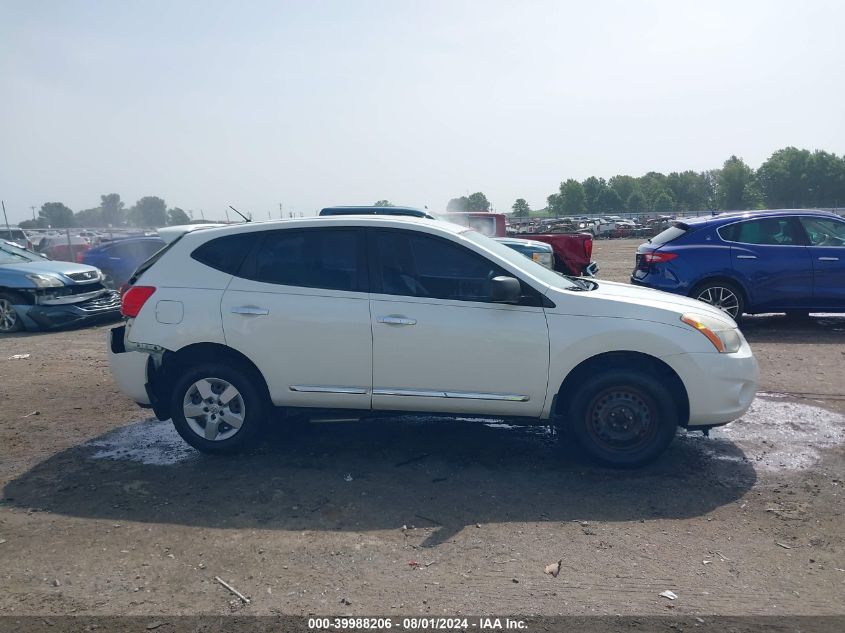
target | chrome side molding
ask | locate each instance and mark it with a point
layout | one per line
(330, 389)
(464, 395)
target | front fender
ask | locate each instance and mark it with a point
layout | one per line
(575, 339)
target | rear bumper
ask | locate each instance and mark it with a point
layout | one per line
(720, 387)
(129, 369)
(50, 317)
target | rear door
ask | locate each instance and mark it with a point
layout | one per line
(826, 238)
(299, 309)
(439, 342)
(771, 258)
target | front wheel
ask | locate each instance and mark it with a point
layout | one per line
(623, 418)
(10, 320)
(217, 409)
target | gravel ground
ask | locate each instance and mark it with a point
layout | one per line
(105, 512)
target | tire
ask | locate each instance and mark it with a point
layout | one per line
(725, 295)
(10, 320)
(205, 387)
(623, 418)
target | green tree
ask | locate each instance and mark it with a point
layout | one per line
(574, 200)
(734, 185)
(39, 223)
(458, 205)
(113, 212)
(826, 179)
(521, 208)
(664, 203)
(609, 201)
(177, 216)
(783, 178)
(149, 211)
(554, 205)
(636, 202)
(623, 185)
(89, 217)
(56, 215)
(382, 203)
(478, 202)
(593, 189)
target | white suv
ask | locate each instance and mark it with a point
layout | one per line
(368, 315)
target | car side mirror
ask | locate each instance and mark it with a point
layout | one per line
(505, 290)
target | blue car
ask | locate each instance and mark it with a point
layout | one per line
(751, 262)
(118, 259)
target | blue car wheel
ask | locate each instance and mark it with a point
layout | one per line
(723, 295)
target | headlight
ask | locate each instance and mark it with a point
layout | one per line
(544, 259)
(45, 281)
(724, 336)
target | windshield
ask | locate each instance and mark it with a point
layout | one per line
(520, 261)
(12, 254)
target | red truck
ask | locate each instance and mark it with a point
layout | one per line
(573, 251)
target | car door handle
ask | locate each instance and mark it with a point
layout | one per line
(828, 259)
(394, 320)
(251, 310)
(746, 257)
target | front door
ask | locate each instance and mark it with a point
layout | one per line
(826, 237)
(299, 309)
(439, 343)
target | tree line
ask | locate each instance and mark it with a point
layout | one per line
(149, 211)
(789, 178)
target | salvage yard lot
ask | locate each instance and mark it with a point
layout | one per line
(105, 513)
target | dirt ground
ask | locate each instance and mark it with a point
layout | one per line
(106, 512)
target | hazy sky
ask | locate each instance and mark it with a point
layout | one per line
(316, 103)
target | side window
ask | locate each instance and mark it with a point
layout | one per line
(824, 232)
(779, 231)
(318, 258)
(226, 253)
(418, 265)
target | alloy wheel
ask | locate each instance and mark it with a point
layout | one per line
(214, 409)
(8, 316)
(720, 297)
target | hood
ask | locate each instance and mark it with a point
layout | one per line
(51, 267)
(614, 299)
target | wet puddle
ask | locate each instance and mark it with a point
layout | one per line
(774, 436)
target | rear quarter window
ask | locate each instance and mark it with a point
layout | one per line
(226, 253)
(669, 235)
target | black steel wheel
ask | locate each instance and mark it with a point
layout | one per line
(623, 418)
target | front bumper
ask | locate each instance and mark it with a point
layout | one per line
(720, 387)
(49, 317)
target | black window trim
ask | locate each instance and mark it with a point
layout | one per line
(531, 297)
(247, 268)
(794, 219)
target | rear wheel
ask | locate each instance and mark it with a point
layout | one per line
(623, 418)
(723, 295)
(217, 409)
(10, 320)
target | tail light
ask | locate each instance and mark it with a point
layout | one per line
(80, 255)
(134, 299)
(658, 258)
(588, 248)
